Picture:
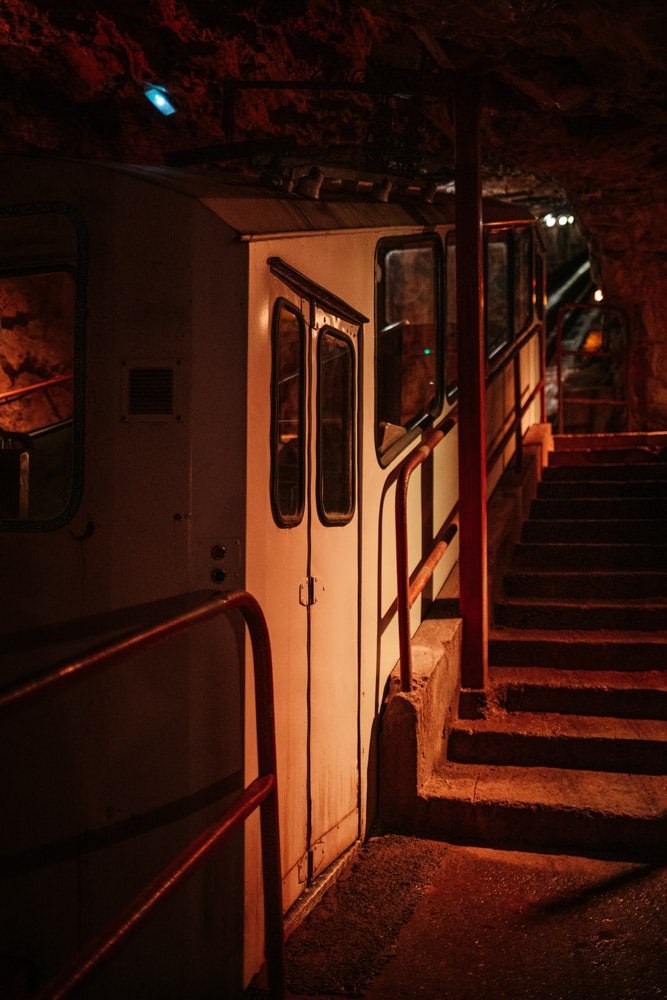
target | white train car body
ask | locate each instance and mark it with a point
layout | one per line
(247, 371)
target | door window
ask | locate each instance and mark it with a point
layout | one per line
(288, 438)
(335, 427)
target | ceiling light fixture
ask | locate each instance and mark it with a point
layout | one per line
(160, 98)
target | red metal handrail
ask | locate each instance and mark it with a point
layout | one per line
(25, 390)
(560, 351)
(262, 793)
(407, 593)
(512, 356)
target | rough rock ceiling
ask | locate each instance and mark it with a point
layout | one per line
(571, 90)
(574, 97)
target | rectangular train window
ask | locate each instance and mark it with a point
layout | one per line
(335, 427)
(408, 351)
(288, 438)
(523, 280)
(41, 362)
(497, 247)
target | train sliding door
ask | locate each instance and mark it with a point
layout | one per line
(333, 574)
(316, 641)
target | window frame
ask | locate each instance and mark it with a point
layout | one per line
(78, 269)
(384, 246)
(494, 352)
(337, 517)
(449, 281)
(529, 258)
(281, 519)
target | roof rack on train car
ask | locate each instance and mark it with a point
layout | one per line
(313, 181)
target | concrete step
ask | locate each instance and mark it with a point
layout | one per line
(586, 584)
(527, 739)
(569, 750)
(573, 488)
(604, 649)
(615, 531)
(631, 695)
(560, 469)
(644, 443)
(527, 613)
(544, 809)
(589, 556)
(600, 508)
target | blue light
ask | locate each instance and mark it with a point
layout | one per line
(160, 98)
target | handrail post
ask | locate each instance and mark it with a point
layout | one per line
(269, 819)
(543, 373)
(559, 366)
(518, 435)
(471, 373)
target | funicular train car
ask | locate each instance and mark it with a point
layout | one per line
(208, 384)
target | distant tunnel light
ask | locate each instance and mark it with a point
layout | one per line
(160, 98)
(598, 295)
(550, 220)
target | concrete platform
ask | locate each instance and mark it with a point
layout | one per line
(425, 920)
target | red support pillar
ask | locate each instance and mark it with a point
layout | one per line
(471, 377)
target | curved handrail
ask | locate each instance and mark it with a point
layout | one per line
(407, 593)
(262, 792)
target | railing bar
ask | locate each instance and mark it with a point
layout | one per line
(25, 390)
(266, 754)
(500, 447)
(408, 466)
(563, 351)
(587, 354)
(42, 683)
(103, 946)
(513, 348)
(599, 400)
(426, 572)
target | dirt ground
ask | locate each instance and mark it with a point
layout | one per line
(347, 940)
(414, 919)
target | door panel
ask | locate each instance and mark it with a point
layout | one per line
(314, 618)
(284, 559)
(333, 661)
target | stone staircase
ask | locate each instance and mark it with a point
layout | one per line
(569, 751)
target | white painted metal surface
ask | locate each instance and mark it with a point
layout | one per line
(178, 274)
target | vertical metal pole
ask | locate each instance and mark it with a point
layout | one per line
(559, 368)
(518, 435)
(471, 373)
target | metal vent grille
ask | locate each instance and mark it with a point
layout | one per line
(150, 391)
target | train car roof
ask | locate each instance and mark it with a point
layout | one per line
(256, 211)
